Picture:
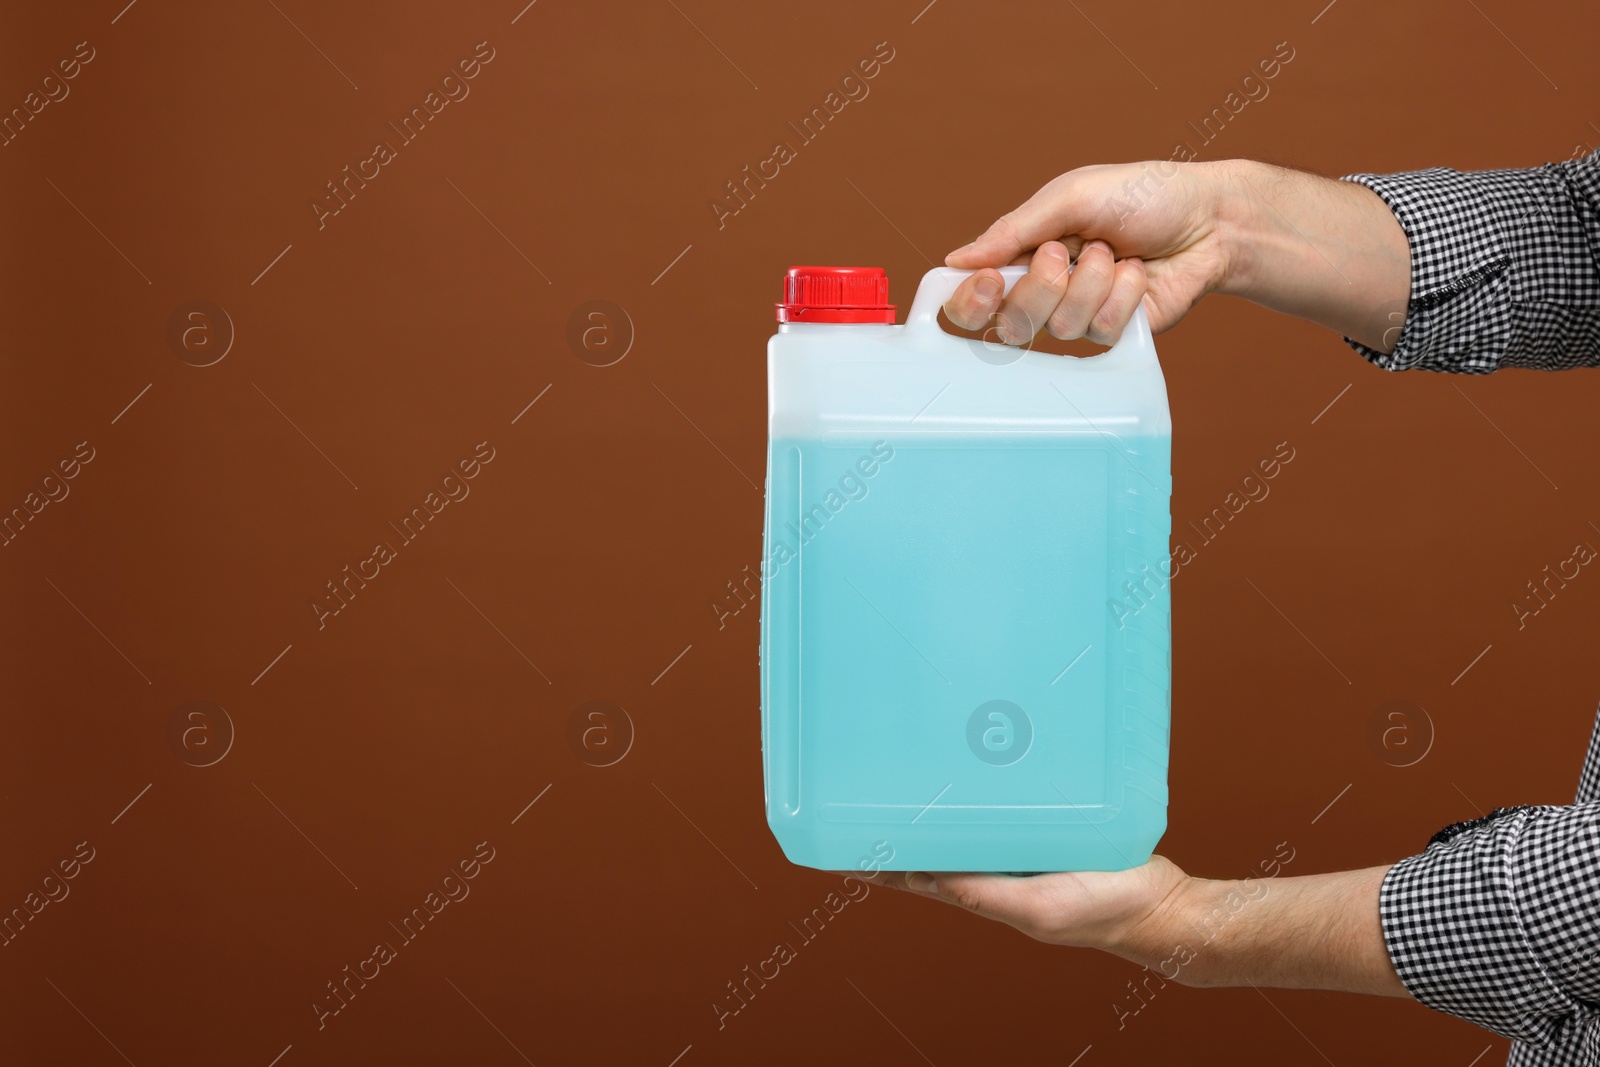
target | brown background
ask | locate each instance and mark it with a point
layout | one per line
(377, 752)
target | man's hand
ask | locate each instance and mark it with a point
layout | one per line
(1169, 234)
(1110, 910)
(1318, 931)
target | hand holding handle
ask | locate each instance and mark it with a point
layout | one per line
(1135, 346)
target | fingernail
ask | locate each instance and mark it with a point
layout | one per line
(988, 288)
(922, 883)
(963, 250)
(1096, 244)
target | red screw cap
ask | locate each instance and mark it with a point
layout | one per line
(836, 294)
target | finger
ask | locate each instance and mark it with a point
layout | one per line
(1074, 245)
(1054, 210)
(1036, 294)
(969, 312)
(1022, 259)
(1088, 288)
(1127, 289)
(975, 300)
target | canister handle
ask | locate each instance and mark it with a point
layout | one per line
(1134, 347)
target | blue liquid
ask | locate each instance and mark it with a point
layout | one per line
(966, 653)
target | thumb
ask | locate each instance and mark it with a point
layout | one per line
(1059, 209)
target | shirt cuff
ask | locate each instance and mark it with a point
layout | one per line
(1492, 923)
(1459, 317)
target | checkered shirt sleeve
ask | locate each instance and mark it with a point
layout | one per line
(1498, 922)
(1505, 267)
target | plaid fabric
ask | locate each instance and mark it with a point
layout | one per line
(1505, 267)
(1498, 920)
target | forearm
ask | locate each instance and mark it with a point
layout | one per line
(1324, 250)
(1311, 932)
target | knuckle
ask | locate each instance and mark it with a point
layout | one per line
(1118, 308)
(1065, 324)
(1052, 272)
(1094, 266)
(966, 308)
(959, 312)
(1006, 228)
(1017, 326)
(1105, 326)
(1060, 187)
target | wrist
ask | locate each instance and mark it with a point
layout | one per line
(1195, 937)
(1164, 938)
(1235, 207)
(1309, 932)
